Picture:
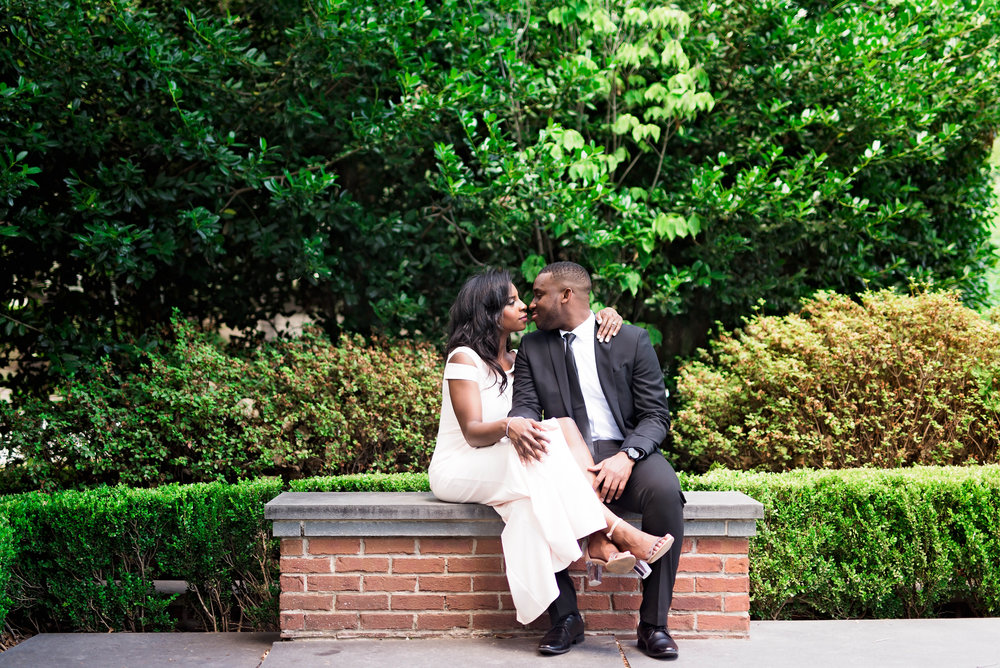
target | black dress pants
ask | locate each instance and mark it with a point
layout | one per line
(654, 491)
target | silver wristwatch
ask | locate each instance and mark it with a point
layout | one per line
(634, 454)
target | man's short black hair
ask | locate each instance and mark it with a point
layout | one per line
(569, 273)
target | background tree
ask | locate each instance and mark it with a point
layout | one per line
(357, 159)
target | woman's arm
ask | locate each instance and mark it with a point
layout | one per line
(467, 402)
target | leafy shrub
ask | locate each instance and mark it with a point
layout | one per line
(86, 560)
(916, 542)
(378, 482)
(893, 380)
(7, 554)
(198, 412)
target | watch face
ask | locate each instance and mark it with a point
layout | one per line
(633, 454)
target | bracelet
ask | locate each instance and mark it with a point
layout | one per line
(506, 431)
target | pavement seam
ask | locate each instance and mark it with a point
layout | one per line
(622, 652)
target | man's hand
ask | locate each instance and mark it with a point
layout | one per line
(612, 474)
(528, 438)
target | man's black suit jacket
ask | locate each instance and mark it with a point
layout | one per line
(630, 377)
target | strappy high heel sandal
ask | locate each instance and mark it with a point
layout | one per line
(660, 547)
(619, 564)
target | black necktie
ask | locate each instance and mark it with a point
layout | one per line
(579, 407)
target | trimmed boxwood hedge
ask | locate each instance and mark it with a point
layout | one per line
(833, 544)
(859, 543)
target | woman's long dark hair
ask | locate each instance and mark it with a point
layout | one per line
(475, 318)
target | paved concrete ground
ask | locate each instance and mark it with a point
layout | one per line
(915, 643)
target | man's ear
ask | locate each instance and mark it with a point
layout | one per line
(567, 295)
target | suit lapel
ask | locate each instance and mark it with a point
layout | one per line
(557, 353)
(602, 353)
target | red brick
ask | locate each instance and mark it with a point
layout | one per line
(334, 545)
(734, 584)
(445, 546)
(700, 564)
(498, 621)
(578, 566)
(541, 625)
(292, 621)
(506, 602)
(473, 601)
(365, 564)
(683, 584)
(440, 621)
(711, 545)
(626, 601)
(362, 601)
(488, 546)
(291, 565)
(688, 545)
(680, 622)
(724, 623)
(331, 621)
(614, 583)
(736, 603)
(612, 621)
(417, 602)
(291, 547)
(490, 583)
(474, 565)
(306, 601)
(418, 565)
(333, 583)
(293, 583)
(594, 601)
(458, 583)
(390, 582)
(390, 546)
(695, 602)
(386, 620)
(737, 564)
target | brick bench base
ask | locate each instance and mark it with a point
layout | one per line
(407, 565)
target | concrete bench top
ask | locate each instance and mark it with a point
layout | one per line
(421, 514)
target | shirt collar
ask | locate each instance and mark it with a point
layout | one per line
(585, 330)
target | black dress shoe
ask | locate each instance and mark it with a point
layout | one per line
(656, 642)
(567, 632)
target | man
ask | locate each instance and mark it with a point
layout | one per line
(615, 394)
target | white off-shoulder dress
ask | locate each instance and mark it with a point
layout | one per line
(546, 505)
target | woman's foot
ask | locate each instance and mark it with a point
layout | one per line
(648, 547)
(601, 554)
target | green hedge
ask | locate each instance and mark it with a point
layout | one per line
(7, 555)
(917, 542)
(86, 560)
(833, 544)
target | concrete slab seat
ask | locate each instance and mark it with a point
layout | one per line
(403, 564)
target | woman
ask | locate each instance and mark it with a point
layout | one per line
(546, 504)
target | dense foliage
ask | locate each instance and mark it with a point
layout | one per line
(919, 542)
(891, 381)
(199, 412)
(87, 561)
(856, 544)
(355, 160)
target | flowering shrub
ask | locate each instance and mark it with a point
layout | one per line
(198, 412)
(893, 380)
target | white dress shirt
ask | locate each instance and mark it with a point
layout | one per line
(602, 422)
